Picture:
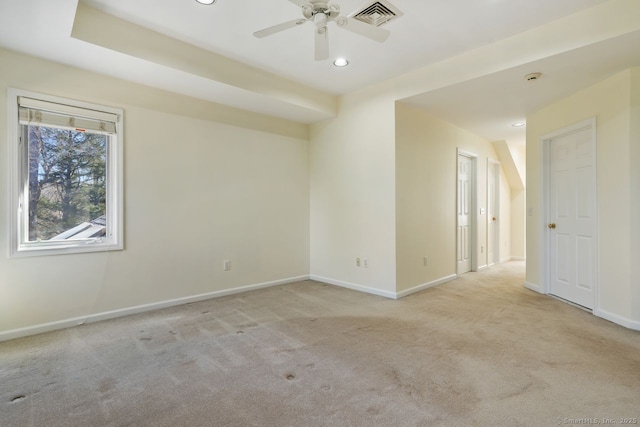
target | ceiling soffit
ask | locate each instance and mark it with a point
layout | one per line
(99, 28)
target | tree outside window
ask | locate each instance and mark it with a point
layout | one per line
(67, 180)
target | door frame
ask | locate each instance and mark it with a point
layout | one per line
(545, 144)
(495, 165)
(473, 220)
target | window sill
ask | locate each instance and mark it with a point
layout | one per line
(33, 251)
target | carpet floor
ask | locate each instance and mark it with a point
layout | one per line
(478, 351)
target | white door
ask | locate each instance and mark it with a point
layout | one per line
(572, 215)
(493, 209)
(464, 213)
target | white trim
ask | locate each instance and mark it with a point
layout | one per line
(505, 259)
(115, 188)
(41, 328)
(383, 293)
(622, 321)
(517, 258)
(355, 287)
(617, 319)
(534, 288)
(67, 323)
(424, 286)
(13, 171)
(466, 153)
(482, 267)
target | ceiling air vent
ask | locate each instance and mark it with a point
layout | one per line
(377, 13)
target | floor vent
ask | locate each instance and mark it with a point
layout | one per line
(377, 14)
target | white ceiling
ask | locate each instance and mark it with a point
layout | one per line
(489, 105)
(428, 32)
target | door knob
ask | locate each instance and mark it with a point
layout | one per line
(552, 225)
(494, 218)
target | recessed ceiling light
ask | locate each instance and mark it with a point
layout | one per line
(206, 1)
(518, 124)
(340, 62)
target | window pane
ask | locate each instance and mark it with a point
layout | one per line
(66, 183)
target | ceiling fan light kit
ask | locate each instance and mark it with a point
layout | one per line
(206, 2)
(321, 13)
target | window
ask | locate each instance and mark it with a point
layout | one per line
(65, 175)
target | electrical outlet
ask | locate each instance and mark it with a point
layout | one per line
(357, 261)
(226, 265)
(365, 262)
(425, 261)
(481, 249)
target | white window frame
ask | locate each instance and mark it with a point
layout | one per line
(17, 225)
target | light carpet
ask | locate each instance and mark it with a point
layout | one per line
(478, 351)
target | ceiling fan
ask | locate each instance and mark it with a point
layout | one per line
(320, 13)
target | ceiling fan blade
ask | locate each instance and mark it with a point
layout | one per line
(366, 30)
(322, 44)
(277, 28)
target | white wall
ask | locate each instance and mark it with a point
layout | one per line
(608, 101)
(197, 192)
(426, 162)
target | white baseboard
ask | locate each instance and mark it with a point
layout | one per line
(482, 267)
(380, 292)
(517, 258)
(41, 328)
(424, 286)
(533, 287)
(355, 287)
(67, 323)
(622, 321)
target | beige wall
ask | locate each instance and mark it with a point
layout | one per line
(340, 189)
(353, 156)
(518, 224)
(197, 192)
(506, 220)
(634, 159)
(518, 203)
(426, 150)
(353, 196)
(608, 101)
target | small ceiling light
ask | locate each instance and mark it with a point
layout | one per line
(206, 1)
(518, 124)
(340, 62)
